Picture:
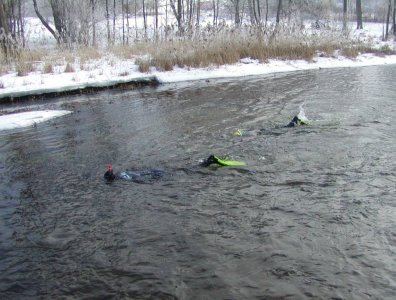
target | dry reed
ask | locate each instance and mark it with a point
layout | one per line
(208, 47)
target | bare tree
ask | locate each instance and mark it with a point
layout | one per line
(144, 17)
(93, 6)
(251, 11)
(123, 22)
(60, 20)
(388, 19)
(266, 11)
(177, 12)
(127, 15)
(11, 28)
(114, 20)
(55, 34)
(108, 22)
(394, 18)
(4, 26)
(344, 15)
(215, 11)
(257, 14)
(359, 18)
(199, 11)
(278, 11)
(21, 22)
(237, 17)
(156, 16)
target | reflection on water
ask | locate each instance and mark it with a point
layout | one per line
(312, 216)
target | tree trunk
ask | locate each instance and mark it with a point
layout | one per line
(214, 12)
(123, 22)
(258, 17)
(45, 23)
(266, 11)
(251, 12)
(108, 22)
(114, 20)
(21, 20)
(177, 13)
(156, 15)
(237, 19)
(127, 15)
(199, 11)
(4, 27)
(93, 23)
(359, 18)
(345, 15)
(278, 11)
(179, 10)
(387, 20)
(394, 18)
(58, 13)
(144, 18)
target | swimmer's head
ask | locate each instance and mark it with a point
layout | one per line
(109, 175)
(238, 132)
(209, 161)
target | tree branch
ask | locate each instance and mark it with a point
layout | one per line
(45, 23)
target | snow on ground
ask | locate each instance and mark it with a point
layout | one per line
(107, 73)
(29, 118)
(110, 70)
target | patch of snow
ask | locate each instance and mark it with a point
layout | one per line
(29, 118)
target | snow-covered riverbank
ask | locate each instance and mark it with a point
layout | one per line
(105, 74)
(110, 70)
(29, 118)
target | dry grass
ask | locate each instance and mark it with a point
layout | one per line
(143, 65)
(24, 68)
(231, 45)
(48, 68)
(3, 68)
(123, 52)
(26, 61)
(350, 52)
(206, 48)
(69, 68)
(86, 54)
(226, 50)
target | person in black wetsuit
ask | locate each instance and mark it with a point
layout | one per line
(150, 174)
(137, 176)
(296, 121)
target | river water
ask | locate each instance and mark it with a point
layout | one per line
(312, 215)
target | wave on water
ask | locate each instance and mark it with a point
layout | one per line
(301, 114)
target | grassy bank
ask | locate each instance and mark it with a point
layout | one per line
(208, 48)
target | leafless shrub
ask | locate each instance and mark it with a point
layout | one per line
(69, 68)
(23, 68)
(143, 65)
(88, 53)
(48, 68)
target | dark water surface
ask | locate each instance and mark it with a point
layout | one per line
(313, 215)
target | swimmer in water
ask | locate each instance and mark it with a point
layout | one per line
(150, 174)
(296, 121)
(136, 176)
(215, 160)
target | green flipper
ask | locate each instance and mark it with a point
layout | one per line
(234, 163)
